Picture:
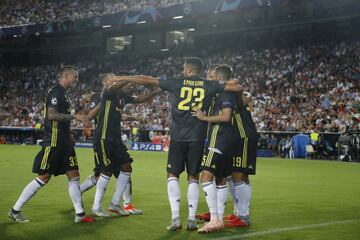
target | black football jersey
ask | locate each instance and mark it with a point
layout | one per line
(94, 101)
(244, 124)
(108, 126)
(222, 135)
(189, 94)
(56, 132)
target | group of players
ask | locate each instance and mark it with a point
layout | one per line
(212, 132)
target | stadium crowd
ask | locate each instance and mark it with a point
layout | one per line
(296, 89)
(17, 12)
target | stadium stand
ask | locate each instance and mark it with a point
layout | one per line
(318, 83)
(17, 12)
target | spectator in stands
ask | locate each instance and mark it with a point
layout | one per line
(17, 12)
(326, 74)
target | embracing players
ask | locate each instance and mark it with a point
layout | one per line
(190, 92)
(93, 113)
(218, 151)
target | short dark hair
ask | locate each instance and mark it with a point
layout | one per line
(225, 71)
(67, 68)
(196, 63)
(213, 67)
(123, 73)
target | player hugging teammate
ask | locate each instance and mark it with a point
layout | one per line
(229, 154)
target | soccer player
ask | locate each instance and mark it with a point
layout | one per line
(217, 156)
(246, 98)
(110, 153)
(244, 162)
(57, 155)
(91, 181)
(191, 92)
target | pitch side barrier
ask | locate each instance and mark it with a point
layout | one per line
(31, 135)
(268, 143)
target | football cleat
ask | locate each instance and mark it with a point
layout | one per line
(118, 210)
(174, 225)
(100, 212)
(203, 216)
(237, 222)
(192, 226)
(18, 217)
(212, 226)
(131, 209)
(230, 217)
(84, 219)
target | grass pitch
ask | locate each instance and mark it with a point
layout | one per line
(292, 199)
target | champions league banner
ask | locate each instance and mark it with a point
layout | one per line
(192, 9)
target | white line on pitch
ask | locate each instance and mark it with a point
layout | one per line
(286, 229)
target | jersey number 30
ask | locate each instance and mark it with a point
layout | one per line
(189, 94)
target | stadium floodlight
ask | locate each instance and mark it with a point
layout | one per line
(141, 22)
(164, 50)
(191, 29)
(106, 26)
(178, 17)
(153, 41)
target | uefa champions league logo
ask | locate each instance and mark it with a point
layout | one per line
(97, 21)
(187, 8)
(24, 30)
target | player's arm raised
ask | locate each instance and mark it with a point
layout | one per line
(112, 86)
(146, 97)
(224, 116)
(139, 79)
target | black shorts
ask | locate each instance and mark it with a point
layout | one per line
(109, 156)
(244, 158)
(216, 163)
(185, 154)
(97, 171)
(55, 160)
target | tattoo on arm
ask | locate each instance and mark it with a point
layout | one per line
(53, 114)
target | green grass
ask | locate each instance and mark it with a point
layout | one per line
(286, 193)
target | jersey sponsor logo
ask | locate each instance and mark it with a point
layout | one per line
(54, 101)
(213, 166)
(250, 167)
(169, 165)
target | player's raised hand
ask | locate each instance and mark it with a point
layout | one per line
(199, 114)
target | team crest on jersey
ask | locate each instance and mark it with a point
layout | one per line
(54, 101)
(93, 104)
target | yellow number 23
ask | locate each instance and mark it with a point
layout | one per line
(188, 94)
